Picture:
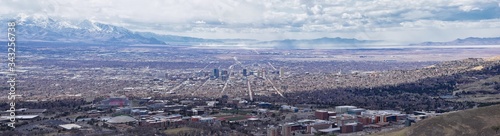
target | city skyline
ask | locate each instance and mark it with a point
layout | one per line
(250, 68)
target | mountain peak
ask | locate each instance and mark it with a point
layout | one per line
(89, 25)
(35, 19)
(40, 27)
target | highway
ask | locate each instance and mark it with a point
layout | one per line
(272, 65)
(250, 90)
(178, 86)
(276, 89)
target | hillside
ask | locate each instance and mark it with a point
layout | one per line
(429, 88)
(471, 122)
(480, 88)
(484, 91)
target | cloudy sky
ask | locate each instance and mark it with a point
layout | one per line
(397, 21)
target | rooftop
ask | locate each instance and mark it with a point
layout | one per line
(328, 130)
(21, 117)
(121, 119)
(70, 126)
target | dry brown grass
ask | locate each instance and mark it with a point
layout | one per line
(496, 58)
(473, 122)
(177, 130)
(478, 68)
(485, 85)
(397, 132)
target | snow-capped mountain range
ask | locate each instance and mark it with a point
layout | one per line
(39, 28)
(43, 29)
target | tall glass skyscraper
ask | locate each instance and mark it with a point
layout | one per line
(216, 73)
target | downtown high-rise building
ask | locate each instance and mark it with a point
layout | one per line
(224, 72)
(216, 74)
(281, 72)
(224, 75)
(245, 72)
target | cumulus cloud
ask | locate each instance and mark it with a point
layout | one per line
(284, 18)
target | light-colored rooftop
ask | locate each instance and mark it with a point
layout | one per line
(21, 117)
(328, 130)
(70, 126)
(121, 119)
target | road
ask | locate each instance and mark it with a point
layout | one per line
(256, 51)
(228, 78)
(236, 59)
(250, 90)
(178, 86)
(205, 67)
(272, 65)
(276, 89)
(206, 81)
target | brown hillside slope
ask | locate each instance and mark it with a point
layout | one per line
(473, 122)
(495, 58)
